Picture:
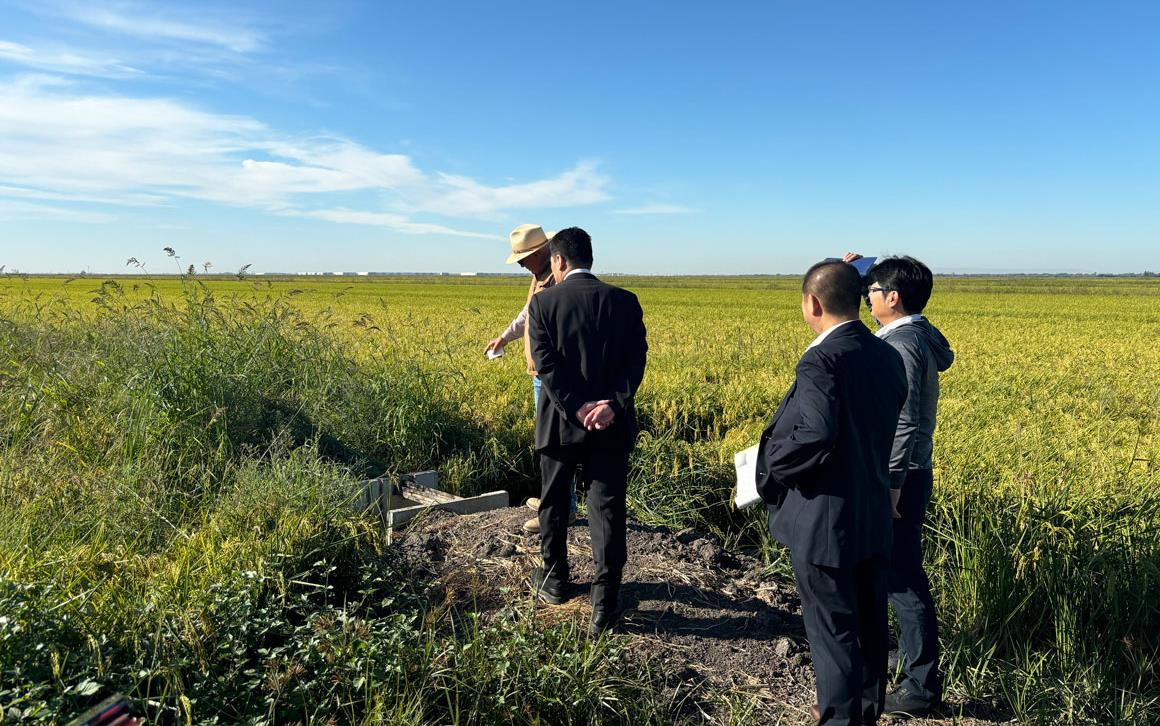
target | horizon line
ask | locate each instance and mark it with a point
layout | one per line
(963, 272)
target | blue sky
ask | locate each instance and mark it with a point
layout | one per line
(685, 137)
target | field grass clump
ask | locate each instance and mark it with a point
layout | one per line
(175, 523)
(1052, 598)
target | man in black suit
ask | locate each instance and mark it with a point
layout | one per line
(823, 471)
(588, 343)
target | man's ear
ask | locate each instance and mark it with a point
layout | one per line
(813, 305)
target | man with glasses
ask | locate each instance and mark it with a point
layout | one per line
(897, 292)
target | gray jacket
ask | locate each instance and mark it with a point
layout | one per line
(925, 353)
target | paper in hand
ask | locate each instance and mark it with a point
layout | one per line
(746, 465)
(493, 354)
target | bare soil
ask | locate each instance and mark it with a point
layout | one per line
(714, 619)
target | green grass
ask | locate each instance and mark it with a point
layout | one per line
(176, 459)
(175, 524)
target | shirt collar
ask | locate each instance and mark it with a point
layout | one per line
(822, 336)
(897, 324)
(577, 271)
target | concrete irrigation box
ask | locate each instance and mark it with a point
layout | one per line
(397, 501)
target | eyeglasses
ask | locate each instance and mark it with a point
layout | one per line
(880, 289)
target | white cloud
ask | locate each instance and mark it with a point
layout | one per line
(140, 22)
(143, 200)
(65, 61)
(114, 146)
(460, 196)
(396, 222)
(363, 166)
(12, 210)
(655, 209)
(34, 82)
(296, 178)
(60, 144)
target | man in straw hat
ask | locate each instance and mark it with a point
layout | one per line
(530, 250)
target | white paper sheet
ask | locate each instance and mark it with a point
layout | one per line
(746, 464)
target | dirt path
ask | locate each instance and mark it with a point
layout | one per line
(709, 615)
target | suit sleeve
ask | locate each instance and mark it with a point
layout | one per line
(790, 460)
(625, 385)
(559, 381)
(904, 435)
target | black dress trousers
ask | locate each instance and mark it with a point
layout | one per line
(844, 609)
(604, 473)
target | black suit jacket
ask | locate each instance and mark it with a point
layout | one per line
(588, 344)
(824, 459)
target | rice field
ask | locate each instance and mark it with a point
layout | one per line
(175, 456)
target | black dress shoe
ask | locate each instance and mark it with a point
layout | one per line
(603, 620)
(606, 609)
(905, 702)
(548, 589)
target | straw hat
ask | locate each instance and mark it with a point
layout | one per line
(526, 240)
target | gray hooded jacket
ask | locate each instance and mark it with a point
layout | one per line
(926, 353)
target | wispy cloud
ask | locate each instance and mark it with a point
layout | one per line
(61, 144)
(460, 196)
(141, 200)
(65, 61)
(655, 209)
(12, 210)
(385, 219)
(141, 21)
(361, 167)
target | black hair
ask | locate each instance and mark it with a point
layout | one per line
(911, 279)
(837, 286)
(574, 245)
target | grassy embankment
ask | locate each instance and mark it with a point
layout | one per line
(174, 466)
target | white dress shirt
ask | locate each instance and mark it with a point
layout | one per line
(822, 336)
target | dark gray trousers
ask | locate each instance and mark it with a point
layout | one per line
(908, 590)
